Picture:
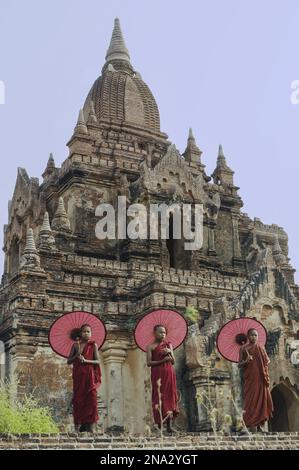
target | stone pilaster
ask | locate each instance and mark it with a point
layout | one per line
(114, 356)
(237, 256)
(211, 389)
(211, 238)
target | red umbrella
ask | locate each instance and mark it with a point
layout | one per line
(66, 329)
(175, 324)
(234, 333)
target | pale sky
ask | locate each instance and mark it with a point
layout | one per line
(222, 67)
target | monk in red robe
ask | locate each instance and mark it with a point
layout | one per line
(164, 389)
(85, 358)
(257, 401)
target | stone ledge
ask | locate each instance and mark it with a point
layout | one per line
(182, 441)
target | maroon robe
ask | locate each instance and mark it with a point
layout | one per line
(168, 388)
(257, 401)
(86, 380)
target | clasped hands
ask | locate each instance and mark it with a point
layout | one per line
(80, 357)
(249, 358)
(167, 353)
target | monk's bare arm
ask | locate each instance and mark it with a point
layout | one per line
(96, 357)
(151, 363)
(243, 362)
(73, 354)
(171, 354)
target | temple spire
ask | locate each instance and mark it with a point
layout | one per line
(221, 161)
(51, 162)
(117, 49)
(192, 152)
(222, 173)
(190, 136)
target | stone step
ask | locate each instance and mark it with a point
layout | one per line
(181, 441)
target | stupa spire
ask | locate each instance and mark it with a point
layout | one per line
(117, 49)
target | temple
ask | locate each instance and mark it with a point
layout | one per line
(54, 264)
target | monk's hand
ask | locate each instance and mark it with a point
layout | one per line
(250, 358)
(166, 351)
(82, 359)
(167, 359)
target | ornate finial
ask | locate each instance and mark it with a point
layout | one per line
(81, 124)
(221, 161)
(46, 239)
(192, 152)
(46, 224)
(51, 160)
(222, 173)
(190, 136)
(220, 151)
(61, 212)
(30, 259)
(61, 221)
(30, 243)
(117, 49)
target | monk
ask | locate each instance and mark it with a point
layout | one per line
(84, 356)
(161, 360)
(257, 401)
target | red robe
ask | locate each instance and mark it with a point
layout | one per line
(257, 400)
(86, 380)
(168, 389)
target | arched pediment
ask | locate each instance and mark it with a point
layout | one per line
(172, 175)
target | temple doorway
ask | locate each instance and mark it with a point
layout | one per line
(286, 409)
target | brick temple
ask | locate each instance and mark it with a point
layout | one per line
(54, 264)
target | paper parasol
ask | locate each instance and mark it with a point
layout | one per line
(175, 324)
(234, 333)
(66, 328)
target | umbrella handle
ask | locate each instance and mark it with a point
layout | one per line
(78, 344)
